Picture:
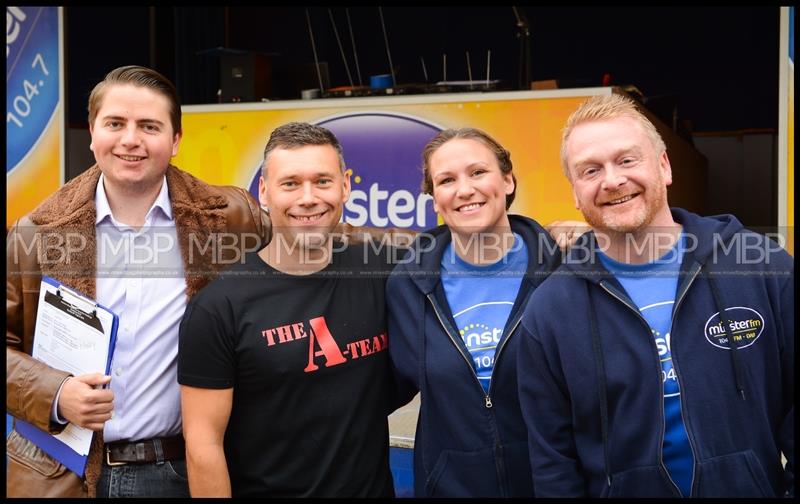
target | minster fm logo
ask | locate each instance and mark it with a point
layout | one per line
(322, 347)
(744, 325)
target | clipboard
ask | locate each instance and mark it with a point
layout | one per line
(73, 310)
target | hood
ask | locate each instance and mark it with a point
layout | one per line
(703, 235)
(422, 263)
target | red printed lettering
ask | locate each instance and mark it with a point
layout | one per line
(298, 330)
(284, 334)
(269, 335)
(328, 348)
(379, 342)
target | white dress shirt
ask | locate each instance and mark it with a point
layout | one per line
(140, 277)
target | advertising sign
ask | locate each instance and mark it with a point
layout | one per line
(382, 139)
(34, 107)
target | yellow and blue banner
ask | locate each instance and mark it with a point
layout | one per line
(382, 139)
(34, 107)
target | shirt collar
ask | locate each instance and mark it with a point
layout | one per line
(104, 207)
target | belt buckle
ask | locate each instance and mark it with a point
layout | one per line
(108, 458)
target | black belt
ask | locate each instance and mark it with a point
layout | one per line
(145, 451)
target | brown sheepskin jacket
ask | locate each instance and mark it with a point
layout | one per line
(57, 239)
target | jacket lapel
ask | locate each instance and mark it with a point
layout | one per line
(67, 241)
(201, 222)
(66, 237)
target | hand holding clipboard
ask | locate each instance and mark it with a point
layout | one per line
(73, 334)
(83, 405)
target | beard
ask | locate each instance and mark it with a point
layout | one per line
(627, 221)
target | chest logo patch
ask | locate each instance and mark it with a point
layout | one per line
(744, 324)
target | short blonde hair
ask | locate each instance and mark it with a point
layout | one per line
(602, 107)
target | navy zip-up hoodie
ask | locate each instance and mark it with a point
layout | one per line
(468, 443)
(592, 392)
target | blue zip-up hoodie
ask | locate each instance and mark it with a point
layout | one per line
(468, 443)
(592, 392)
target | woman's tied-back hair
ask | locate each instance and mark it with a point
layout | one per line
(502, 155)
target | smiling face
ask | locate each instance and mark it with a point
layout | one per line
(305, 191)
(132, 138)
(469, 190)
(619, 179)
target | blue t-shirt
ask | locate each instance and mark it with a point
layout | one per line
(481, 298)
(652, 287)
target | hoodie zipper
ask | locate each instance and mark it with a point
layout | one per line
(693, 274)
(663, 422)
(487, 398)
(500, 349)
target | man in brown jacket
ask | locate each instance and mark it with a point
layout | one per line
(131, 193)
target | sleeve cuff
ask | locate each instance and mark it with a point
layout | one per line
(54, 411)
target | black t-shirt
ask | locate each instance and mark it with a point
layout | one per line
(306, 357)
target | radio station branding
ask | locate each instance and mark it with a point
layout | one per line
(383, 152)
(745, 325)
(32, 80)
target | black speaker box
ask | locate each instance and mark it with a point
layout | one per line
(245, 76)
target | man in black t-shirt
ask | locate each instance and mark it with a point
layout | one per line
(282, 360)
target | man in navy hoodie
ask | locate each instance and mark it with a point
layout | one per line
(659, 357)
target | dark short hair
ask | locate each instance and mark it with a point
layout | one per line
(444, 136)
(294, 135)
(142, 77)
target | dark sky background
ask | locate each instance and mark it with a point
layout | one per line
(717, 65)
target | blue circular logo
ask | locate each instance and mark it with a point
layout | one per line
(383, 151)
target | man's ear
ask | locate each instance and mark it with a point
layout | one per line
(665, 167)
(176, 141)
(346, 185)
(263, 199)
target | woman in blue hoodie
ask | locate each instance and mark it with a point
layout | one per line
(454, 311)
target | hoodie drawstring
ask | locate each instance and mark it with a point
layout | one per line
(737, 367)
(421, 380)
(601, 380)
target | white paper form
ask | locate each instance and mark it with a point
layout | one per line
(72, 335)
